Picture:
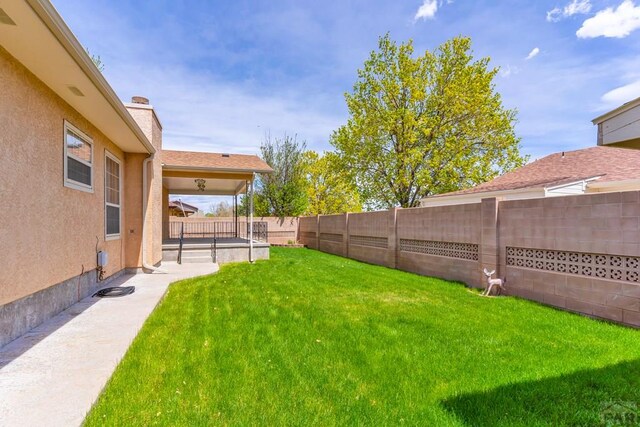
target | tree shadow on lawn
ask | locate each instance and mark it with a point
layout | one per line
(608, 396)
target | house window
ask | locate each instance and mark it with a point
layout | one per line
(112, 185)
(78, 159)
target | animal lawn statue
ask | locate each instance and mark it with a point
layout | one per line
(499, 283)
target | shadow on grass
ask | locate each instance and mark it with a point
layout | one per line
(608, 396)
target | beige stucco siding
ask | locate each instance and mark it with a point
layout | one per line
(48, 233)
(148, 122)
(132, 216)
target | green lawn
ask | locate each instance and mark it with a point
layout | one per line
(313, 339)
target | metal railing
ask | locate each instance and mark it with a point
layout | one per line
(216, 229)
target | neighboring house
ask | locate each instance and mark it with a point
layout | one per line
(590, 170)
(181, 209)
(620, 127)
(614, 165)
(86, 172)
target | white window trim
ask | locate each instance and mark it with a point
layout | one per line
(67, 181)
(117, 236)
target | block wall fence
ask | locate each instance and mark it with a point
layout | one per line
(578, 253)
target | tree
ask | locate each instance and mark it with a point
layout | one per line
(425, 125)
(97, 61)
(221, 209)
(329, 190)
(283, 192)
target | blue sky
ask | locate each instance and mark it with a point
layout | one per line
(221, 74)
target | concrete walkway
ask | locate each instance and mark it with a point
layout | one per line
(53, 374)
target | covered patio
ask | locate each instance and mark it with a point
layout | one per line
(199, 239)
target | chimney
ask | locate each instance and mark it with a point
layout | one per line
(144, 114)
(139, 100)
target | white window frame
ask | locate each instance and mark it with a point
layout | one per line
(111, 156)
(70, 183)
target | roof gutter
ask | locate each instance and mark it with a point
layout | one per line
(52, 19)
(470, 197)
(569, 184)
(206, 169)
(621, 109)
(630, 183)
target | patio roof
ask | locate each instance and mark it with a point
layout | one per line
(200, 173)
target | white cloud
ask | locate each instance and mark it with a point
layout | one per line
(505, 71)
(577, 6)
(554, 15)
(427, 10)
(573, 8)
(534, 52)
(610, 22)
(201, 113)
(508, 70)
(622, 94)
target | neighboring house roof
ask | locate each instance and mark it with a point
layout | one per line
(34, 33)
(214, 161)
(600, 164)
(181, 205)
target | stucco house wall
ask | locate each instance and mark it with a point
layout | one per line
(55, 229)
(49, 245)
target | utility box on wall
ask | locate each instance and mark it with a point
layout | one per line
(103, 259)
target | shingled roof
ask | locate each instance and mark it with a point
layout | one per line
(181, 205)
(218, 161)
(603, 163)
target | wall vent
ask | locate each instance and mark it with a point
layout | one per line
(75, 91)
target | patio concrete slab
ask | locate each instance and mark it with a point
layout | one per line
(52, 375)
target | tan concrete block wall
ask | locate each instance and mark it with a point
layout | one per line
(599, 225)
(450, 224)
(460, 270)
(307, 231)
(367, 230)
(50, 234)
(330, 227)
(459, 223)
(490, 238)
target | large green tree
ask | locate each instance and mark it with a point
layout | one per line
(423, 125)
(329, 189)
(283, 192)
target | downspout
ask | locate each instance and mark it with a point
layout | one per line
(145, 194)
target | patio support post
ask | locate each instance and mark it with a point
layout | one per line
(251, 221)
(246, 212)
(235, 215)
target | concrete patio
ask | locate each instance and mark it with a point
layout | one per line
(52, 375)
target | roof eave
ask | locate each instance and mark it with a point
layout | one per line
(621, 109)
(52, 19)
(483, 194)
